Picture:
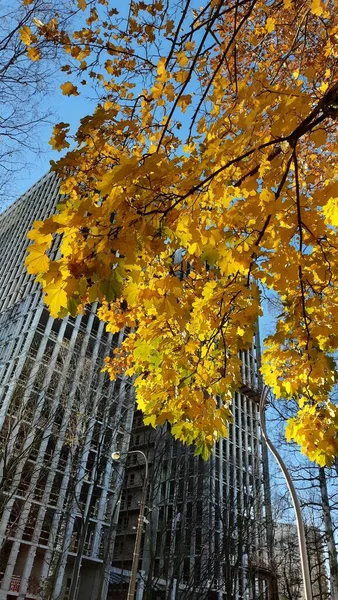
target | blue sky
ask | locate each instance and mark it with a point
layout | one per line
(68, 109)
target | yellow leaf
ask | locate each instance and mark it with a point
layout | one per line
(40, 238)
(131, 293)
(267, 196)
(189, 46)
(169, 91)
(37, 261)
(34, 54)
(330, 211)
(68, 89)
(25, 35)
(163, 76)
(184, 101)
(56, 298)
(181, 76)
(182, 58)
(82, 4)
(316, 8)
(270, 25)
(288, 387)
(150, 420)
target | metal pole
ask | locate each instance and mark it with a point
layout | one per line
(293, 494)
(139, 531)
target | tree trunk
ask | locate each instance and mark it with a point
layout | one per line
(332, 550)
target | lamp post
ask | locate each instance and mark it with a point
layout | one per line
(294, 497)
(140, 523)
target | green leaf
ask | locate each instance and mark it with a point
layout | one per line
(72, 305)
(111, 288)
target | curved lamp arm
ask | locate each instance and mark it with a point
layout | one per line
(294, 497)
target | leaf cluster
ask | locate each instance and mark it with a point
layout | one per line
(206, 173)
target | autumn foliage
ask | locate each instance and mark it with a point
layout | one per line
(214, 139)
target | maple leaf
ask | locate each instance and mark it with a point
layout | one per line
(131, 292)
(161, 70)
(330, 211)
(317, 7)
(68, 89)
(25, 35)
(270, 25)
(55, 298)
(37, 262)
(58, 139)
(34, 54)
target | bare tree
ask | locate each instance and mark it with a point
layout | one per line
(316, 489)
(24, 87)
(328, 520)
(29, 424)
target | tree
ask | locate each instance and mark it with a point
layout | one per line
(329, 531)
(205, 175)
(316, 489)
(29, 424)
(24, 85)
(287, 562)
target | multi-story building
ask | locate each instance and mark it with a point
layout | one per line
(60, 419)
(205, 528)
(68, 513)
(287, 562)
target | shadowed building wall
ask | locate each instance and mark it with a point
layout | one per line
(67, 512)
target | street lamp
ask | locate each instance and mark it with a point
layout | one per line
(140, 523)
(294, 497)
